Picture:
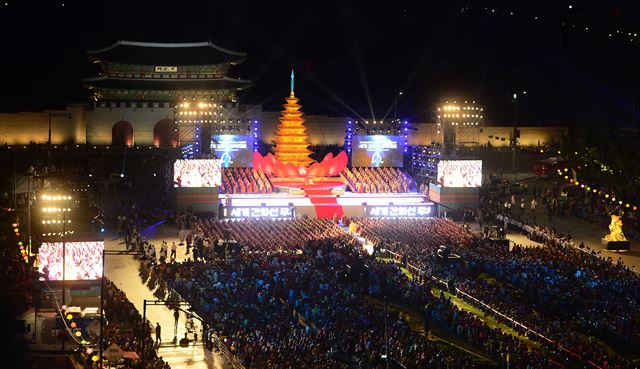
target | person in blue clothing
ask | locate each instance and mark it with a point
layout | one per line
(376, 160)
(226, 160)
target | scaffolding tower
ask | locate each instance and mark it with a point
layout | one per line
(460, 122)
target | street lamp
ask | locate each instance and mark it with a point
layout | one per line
(395, 105)
(515, 134)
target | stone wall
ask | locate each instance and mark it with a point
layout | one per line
(67, 126)
(100, 122)
(77, 124)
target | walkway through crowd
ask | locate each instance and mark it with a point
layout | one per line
(123, 271)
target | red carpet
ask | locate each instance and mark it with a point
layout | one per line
(326, 204)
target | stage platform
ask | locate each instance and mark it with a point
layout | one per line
(319, 202)
(346, 199)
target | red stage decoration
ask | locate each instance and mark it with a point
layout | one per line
(342, 159)
(278, 169)
(314, 170)
(257, 160)
(330, 166)
(291, 170)
(292, 139)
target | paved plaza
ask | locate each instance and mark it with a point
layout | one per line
(123, 271)
(581, 231)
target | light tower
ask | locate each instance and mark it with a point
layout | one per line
(460, 122)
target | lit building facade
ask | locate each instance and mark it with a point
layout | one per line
(156, 94)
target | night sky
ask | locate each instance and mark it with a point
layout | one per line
(352, 58)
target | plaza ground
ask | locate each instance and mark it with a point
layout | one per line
(580, 229)
(123, 271)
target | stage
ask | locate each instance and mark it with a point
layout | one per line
(310, 201)
(346, 199)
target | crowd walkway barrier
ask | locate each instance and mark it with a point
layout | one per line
(218, 343)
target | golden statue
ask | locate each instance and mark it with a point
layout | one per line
(615, 229)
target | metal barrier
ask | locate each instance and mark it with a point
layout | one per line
(222, 347)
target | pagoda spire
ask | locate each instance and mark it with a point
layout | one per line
(292, 79)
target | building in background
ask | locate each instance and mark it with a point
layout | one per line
(165, 94)
(182, 94)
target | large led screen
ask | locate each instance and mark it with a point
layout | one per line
(233, 150)
(377, 151)
(83, 260)
(197, 173)
(460, 173)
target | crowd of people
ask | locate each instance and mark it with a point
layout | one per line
(379, 180)
(244, 180)
(538, 233)
(597, 209)
(15, 274)
(460, 173)
(550, 289)
(124, 329)
(305, 303)
(282, 234)
(305, 309)
(197, 173)
(82, 261)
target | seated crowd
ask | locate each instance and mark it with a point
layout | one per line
(320, 306)
(563, 293)
(379, 180)
(244, 180)
(282, 234)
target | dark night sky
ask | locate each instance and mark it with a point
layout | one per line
(352, 57)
